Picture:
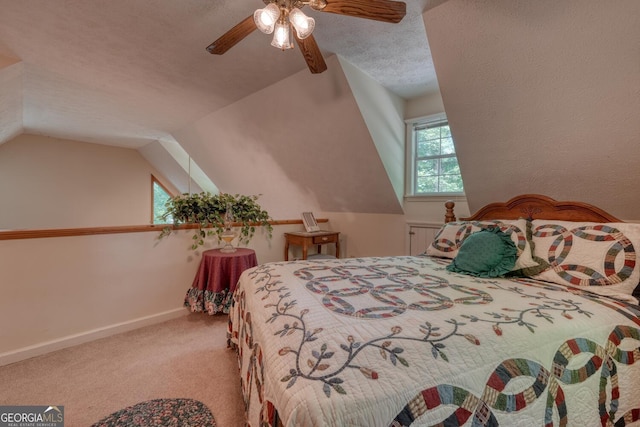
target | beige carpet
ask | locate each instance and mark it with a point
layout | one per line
(181, 358)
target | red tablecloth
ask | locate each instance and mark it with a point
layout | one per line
(217, 278)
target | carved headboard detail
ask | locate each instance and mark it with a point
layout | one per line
(536, 206)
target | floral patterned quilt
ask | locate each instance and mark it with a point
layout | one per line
(400, 341)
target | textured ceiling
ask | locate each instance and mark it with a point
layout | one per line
(129, 72)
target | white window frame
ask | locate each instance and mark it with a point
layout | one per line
(410, 147)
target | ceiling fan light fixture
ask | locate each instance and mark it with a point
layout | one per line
(302, 23)
(317, 4)
(282, 36)
(282, 17)
(267, 17)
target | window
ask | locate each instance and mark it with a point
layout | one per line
(159, 197)
(432, 163)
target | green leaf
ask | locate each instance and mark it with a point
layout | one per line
(338, 388)
(208, 212)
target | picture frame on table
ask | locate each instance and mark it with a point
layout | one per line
(310, 223)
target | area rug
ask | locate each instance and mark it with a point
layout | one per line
(161, 412)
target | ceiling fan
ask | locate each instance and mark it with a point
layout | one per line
(284, 18)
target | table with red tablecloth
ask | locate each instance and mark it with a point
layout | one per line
(216, 279)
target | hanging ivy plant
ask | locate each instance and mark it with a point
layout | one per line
(208, 212)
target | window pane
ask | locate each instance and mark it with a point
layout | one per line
(450, 166)
(428, 148)
(427, 184)
(447, 146)
(432, 133)
(427, 167)
(160, 197)
(451, 184)
(434, 163)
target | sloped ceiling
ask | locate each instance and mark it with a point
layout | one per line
(543, 97)
(128, 72)
(301, 143)
(11, 97)
(135, 72)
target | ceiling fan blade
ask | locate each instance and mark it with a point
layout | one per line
(380, 10)
(233, 36)
(311, 53)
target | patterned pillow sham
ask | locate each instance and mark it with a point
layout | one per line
(602, 256)
(447, 242)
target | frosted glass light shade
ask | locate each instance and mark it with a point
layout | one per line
(282, 36)
(266, 18)
(303, 24)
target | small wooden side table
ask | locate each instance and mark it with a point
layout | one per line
(306, 239)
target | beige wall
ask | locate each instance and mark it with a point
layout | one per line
(364, 235)
(55, 183)
(306, 128)
(543, 97)
(57, 292)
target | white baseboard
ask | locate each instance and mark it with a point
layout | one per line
(71, 340)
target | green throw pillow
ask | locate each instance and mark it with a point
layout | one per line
(487, 253)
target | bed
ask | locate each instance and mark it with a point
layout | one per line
(547, 334)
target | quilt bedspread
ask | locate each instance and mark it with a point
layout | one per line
(401, 341)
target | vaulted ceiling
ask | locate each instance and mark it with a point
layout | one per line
(135, 73)
(542, 97)
(127, 72)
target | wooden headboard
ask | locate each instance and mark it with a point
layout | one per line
(535, 206)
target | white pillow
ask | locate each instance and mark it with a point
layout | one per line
(600, 256)
(450, 237)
